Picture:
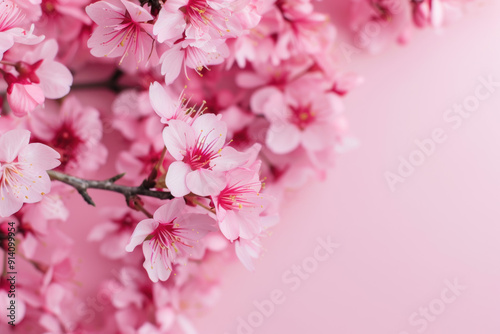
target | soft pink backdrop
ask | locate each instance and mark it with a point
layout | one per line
(397, 248)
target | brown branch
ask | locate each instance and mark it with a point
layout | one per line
(82, 185)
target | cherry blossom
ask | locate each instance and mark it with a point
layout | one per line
(34, 77)
(122, 30)
(240, 204)
(75, 131)
(187, 123)
(23, 169)
(202, 156)
(168, 238)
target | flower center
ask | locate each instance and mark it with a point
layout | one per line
(302, 116)
(67, 143)
(234, 197)
(126, 222)
(202, 153)
(49, 6)
(13, 179)
(165, 241)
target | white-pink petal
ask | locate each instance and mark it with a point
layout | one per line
(283, 138)
(178, 138)
(11, 143)
(169, 211)
(205, 182)
(169, 25)
(176, 178)
(142, 230)
(161, 102)
(212, 128)
(171, 63)
(41, 156)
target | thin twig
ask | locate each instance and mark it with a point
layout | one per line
(150, 181)
(136, 202)
(195, 201)
(82, 185)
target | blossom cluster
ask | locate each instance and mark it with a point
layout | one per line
(377, 23)
(207, 112)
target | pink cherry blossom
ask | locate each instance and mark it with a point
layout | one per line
(304, 31)
(168, 108)
(169, 237)
(34, 77)
(247, 251)
(23, 95)
(23, 167)
(62, 19)
(198, 19)
(55, 78)
(129, 109)
(141, 158)
(231, 140)
(240, 203)
(75, 131)
(114, 231)
(391, 19)
(436, 13)
(298, 118)
(11, 31)
(202, 156)
(195, 54)
(122, 30)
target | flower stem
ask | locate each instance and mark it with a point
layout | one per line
(3, 62)
(150, 181)
(194, 201)
(139, 207)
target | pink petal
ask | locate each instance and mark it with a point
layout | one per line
(105, 12)
(33, 192)
(114, 247)
(25, 98)
(11, 143)
(176, 178)
(172, 61)
(156, 270)
(243, 256)
(99, 232)
(161, 102)
(318, 137)
(204, 182)
(195, 226)
(142, 230)
(55, 79)
(244, 176)
(230, 230)
(29, 245)
(282, 139)
(230, 159)
(41, 156)
(212, 128)
(9, 203)
(170, 210)
(137, 13)
(169, 25)
(178, 138)
(269, 101)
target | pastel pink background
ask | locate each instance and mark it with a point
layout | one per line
(397, 248)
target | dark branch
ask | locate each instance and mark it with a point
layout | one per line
(82, 186)
(113, 84)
